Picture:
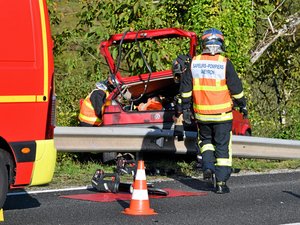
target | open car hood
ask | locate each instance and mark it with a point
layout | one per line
(128, 37)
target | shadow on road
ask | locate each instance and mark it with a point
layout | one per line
(123, 203)
(24, 201)
(292, 193)
(197, 184)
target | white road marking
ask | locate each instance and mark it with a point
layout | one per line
(290, 224)
(49, 191)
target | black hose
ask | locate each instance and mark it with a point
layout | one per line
(113, 75)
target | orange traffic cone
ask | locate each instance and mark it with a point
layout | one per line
(139, 204)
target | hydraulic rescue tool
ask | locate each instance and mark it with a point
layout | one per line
(111, 182)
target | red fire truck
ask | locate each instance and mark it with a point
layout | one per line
(27, 100)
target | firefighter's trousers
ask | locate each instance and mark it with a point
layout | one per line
(215, 148)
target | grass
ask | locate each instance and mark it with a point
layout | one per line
(263, 165)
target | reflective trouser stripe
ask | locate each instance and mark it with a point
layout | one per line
(223, 162)
(226, 161)
(207, 147)
(186, 94)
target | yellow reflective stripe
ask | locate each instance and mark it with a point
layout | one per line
(217, 118)
(15, 98)
(89, 105)
(221, 58)
(223, 162)
(197, 57)
(213, 107)
(45, 51)
(186, 94)
(86, 118)
(230, 146)
(210, 88)
(238, 96)
(207, 147)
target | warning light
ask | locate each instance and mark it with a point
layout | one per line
(25, 150)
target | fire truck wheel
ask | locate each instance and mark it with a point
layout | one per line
(3, 179)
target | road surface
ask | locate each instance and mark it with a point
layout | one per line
(254, 199)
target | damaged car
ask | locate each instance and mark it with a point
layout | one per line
(148, 99)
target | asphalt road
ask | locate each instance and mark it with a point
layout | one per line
(254, 199)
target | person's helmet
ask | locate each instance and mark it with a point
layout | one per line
(212, 41)
(179, 66)
(101, 85)
(176, 71)
(111, 83)
(108, 84)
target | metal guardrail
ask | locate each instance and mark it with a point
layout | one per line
(131, 139)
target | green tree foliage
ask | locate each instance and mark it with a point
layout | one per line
(234, 19)
(271, 85)
(276, 76)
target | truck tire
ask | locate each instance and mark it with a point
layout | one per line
(3, 179)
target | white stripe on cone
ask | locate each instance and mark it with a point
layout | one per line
(140, 195)
(140, 175)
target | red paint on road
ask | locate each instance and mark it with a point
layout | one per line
(111, 197)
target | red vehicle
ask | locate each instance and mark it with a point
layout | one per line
(27, 101)
(121, 110)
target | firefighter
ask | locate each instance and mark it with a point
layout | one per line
(92, 107)
(209, 87)
(153, 103)
(179, 69)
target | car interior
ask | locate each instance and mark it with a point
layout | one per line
(163, 89)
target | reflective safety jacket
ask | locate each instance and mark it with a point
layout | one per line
(88, 112)
(211, 83)
(152, 104)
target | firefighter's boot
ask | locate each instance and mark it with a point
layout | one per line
(209, 176)
(222, 188)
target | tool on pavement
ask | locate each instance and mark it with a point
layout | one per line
(111, 182)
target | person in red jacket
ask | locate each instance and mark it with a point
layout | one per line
(91, 109)
(207, 89)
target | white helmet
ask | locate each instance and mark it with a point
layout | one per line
(101, 86)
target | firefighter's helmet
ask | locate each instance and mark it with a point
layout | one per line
(212, 41)
(111, 83)
(108, 84)
(179, 66)
(176, 71)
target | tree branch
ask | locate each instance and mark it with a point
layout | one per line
(287, 29)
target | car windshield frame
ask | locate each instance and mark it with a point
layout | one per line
(142, 35)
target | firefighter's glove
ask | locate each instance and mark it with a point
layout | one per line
(187, 116)
(244, 111)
